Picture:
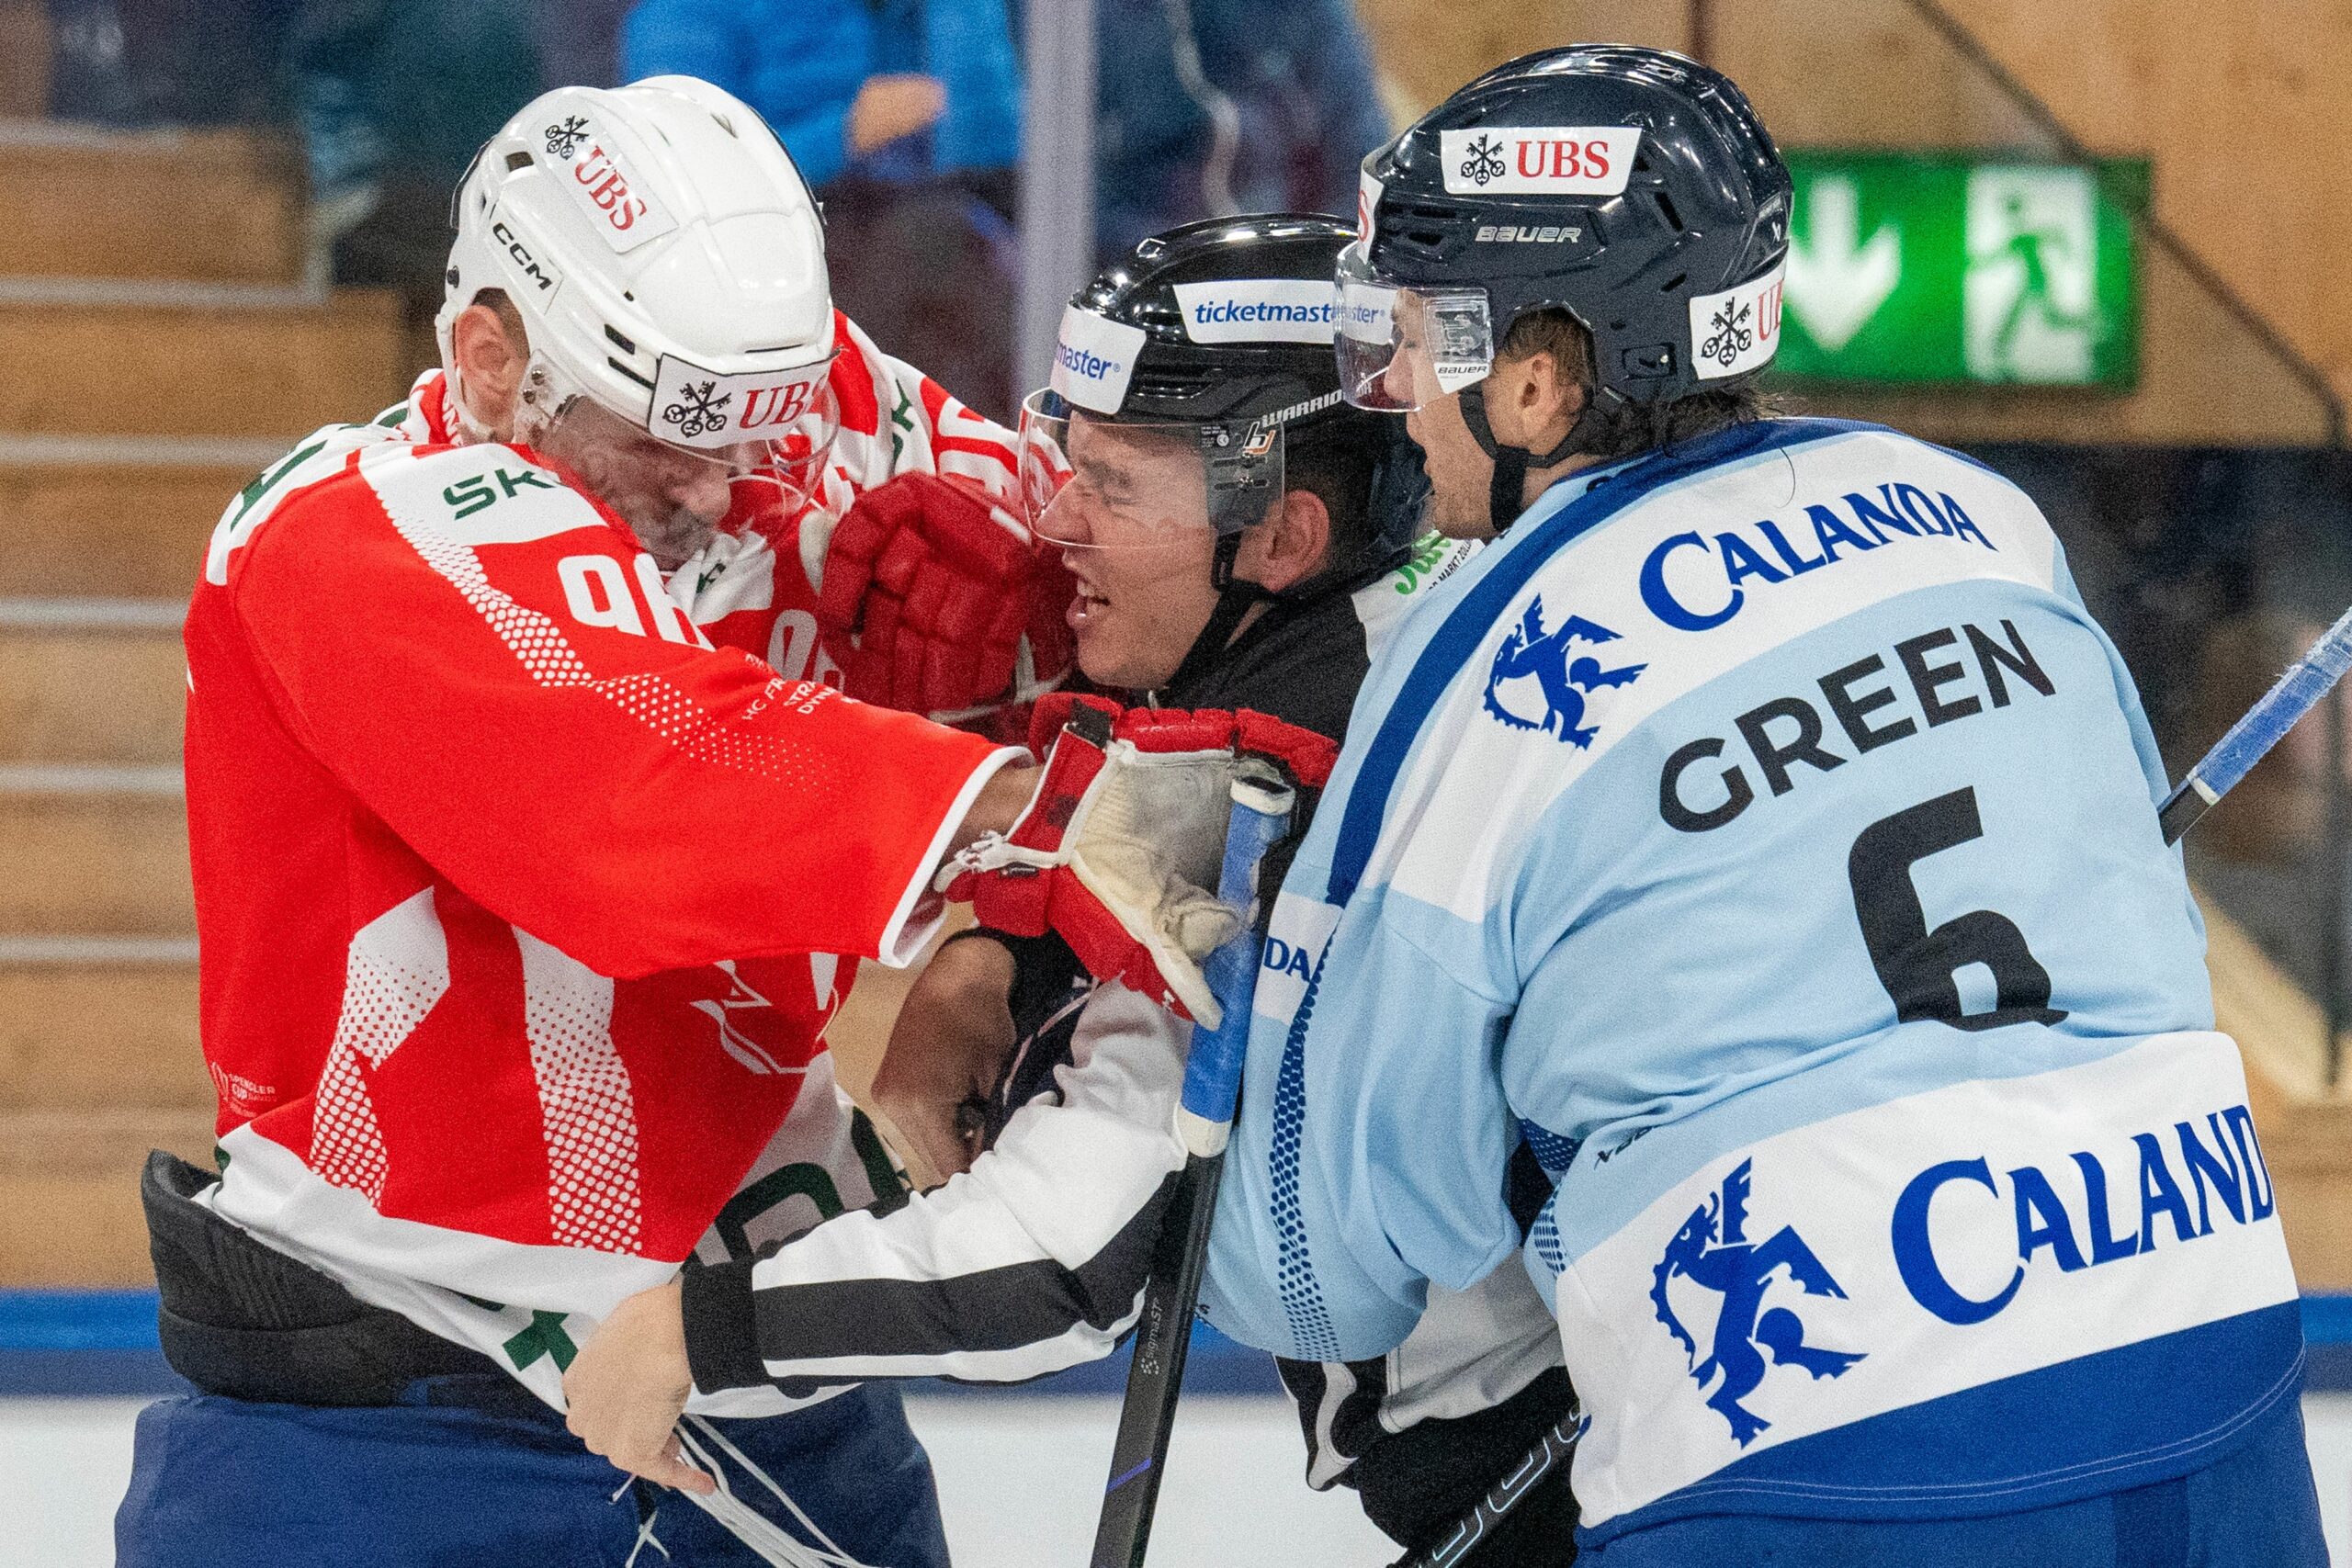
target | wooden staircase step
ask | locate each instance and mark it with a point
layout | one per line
(116, 516)
(94, 850)
(88, 1024)
(91, 680)
(69, 1190)
(213, 206)
(222, 363)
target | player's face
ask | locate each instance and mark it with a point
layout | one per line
(1459, 469)
(672, 498)
(1134, 526)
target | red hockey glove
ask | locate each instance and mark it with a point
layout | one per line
(934, 600)
(1119, 850)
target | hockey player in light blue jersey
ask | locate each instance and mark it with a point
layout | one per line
(1761, 831)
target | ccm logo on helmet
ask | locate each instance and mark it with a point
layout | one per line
(1562, 160)
(539, 277)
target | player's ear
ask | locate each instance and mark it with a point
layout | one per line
(489, 359)
(1290, 545)
(1547, 397)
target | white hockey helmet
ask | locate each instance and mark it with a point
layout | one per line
(669, 266)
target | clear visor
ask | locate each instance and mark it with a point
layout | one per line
(676, 498)
(1093, 482)
(1402, 348)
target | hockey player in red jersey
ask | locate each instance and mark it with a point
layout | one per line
(518, 888)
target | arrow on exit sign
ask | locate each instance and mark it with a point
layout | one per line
(1837, 280)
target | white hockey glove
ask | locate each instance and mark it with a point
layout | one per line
(1119, 850)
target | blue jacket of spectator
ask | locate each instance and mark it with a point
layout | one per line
(800, 63)
(1300, 73)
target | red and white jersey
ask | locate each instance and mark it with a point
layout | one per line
(894, 420)
(516, 895)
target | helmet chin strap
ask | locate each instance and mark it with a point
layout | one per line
(1507, 495)
(1235, 596)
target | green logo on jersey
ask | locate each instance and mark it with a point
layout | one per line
(545, 1337)
(1431, 549)
(471, 495)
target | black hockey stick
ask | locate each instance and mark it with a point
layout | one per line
(2221, 769)
(1261, 810)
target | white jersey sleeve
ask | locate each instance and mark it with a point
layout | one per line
(1032, 1261)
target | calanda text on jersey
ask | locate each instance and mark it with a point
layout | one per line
(1766, 833)
(518, 898)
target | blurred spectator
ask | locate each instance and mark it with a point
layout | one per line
(905, 115)
(389, 101)
(1214, 107)
(141, 63)
(842, 80)
(580, 41)
(392, 99)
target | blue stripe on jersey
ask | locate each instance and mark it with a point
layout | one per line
(2050, 1436)
(1448, 652)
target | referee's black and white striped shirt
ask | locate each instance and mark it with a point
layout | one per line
(1034, 1259)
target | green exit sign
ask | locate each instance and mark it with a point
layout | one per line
(1952, 268)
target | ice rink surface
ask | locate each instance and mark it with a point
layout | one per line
(1018, 1479)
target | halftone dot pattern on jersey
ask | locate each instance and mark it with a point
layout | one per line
(1545, 1234)
(588, 1112)
(397, 969)
(548, 655)
(1552, 1152)
(1312, 1339)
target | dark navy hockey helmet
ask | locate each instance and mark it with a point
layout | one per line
(1633, 188)
(1218, 337)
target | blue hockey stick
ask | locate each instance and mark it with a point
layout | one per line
(1261, 812)
(2299, 691)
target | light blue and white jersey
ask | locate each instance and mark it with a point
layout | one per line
(1765, 831)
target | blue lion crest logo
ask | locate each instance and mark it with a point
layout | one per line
(1738, 1270)
(1561, 675)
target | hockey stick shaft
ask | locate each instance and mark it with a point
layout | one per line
(2306, 683)
(1261, 811)
(2302, 688)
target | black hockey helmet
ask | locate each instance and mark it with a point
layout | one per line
(1633, 188)
(1219, 336)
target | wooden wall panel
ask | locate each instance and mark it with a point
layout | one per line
(1427, 48)
(2245, 109)
(24, 60)
(1839, 73)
